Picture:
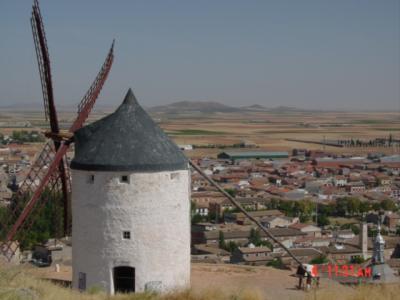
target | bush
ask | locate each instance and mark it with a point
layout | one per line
(231, 246)
(354, 227)
(221, 240)
(276, 263)
(196, 219)
(323, 220)
(322, 259)
(357, 260)
(231, 192)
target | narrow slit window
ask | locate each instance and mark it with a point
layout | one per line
(91, 178)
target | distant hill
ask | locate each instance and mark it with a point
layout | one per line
(255, 107)
(193, 106)
(209, 107)
(29, 106)
(284, 109)
(180, 107)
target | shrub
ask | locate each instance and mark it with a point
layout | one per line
(276, 263)
(322, 259)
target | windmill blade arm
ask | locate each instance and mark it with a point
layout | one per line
(91, 95)
(36, 195)
(43, 59)
(37, 170)
(65, 186)
(39, 56)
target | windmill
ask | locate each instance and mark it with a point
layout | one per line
(49, 174)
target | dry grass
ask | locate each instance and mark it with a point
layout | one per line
(16, 284)
(370, 292)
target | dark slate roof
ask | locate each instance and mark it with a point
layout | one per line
(126, 140)
(244, 234)
(304, 252)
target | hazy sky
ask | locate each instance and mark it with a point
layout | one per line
(323, 54)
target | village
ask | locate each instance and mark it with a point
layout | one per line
(323, 207)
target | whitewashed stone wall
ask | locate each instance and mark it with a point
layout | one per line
(154, 207)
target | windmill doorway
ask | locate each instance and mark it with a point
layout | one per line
(124, 280)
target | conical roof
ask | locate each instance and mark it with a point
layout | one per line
(126, 140)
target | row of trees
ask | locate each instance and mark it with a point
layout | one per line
(351, 206)
(228, 246)
(255, 239)
(342, 207)
(385, 142)
(22, 136)
(306, 209)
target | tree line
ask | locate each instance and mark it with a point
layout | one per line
(306, 210)
(23, 136)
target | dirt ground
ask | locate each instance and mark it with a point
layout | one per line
(267, 282)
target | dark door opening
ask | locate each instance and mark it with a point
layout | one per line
(124, 279)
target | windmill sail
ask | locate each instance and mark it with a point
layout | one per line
(43, 59)
(48, 180)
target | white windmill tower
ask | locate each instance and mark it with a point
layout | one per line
(130, 205)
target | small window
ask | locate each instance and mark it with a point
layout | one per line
(124, 179)
(174, 175)
(126, 235)
(91, 178)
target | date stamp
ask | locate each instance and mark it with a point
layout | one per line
(341, 271)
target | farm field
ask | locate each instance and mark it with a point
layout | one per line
(268, 130)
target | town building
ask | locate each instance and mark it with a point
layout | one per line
(392, 221)
(309, 229)
(305, 255)
(235, 156)
(278, 221)
(251, 255)
(240, 218)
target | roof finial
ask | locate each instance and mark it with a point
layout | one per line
(129, 98)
